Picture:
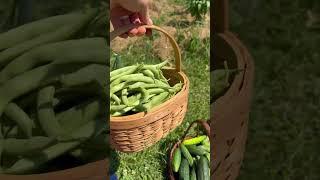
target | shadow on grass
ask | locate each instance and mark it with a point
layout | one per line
(114, 162)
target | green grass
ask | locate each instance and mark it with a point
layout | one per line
(284, 127)
(151, 163)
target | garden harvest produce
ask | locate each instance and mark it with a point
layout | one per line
(191, 159)
(220, 79)
(139, 88)
(52, 95)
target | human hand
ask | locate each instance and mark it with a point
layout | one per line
(125, 12)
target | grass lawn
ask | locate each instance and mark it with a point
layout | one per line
(151, 163)
(284, 127)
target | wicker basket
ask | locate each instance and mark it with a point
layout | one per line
(93, 171)
(136, 132)
(205, 126)
(230, 113)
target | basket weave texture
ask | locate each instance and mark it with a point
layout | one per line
(136, 132)
(230, 113)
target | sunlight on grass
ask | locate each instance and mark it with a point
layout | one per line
(151, 164)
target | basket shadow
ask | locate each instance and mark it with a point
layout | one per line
(114, 162)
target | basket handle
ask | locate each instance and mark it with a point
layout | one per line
(173, 43)
(202, 123)
(221, 16)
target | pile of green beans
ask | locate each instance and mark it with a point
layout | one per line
(139, 88)
(221, 79)
(53, 86)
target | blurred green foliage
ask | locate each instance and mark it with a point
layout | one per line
(284, 129)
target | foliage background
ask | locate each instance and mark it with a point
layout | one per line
(284, 129)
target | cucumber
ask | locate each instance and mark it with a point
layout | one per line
(176, 160)
(194, 141)
(186, 154)
(195, 150)
(193, 175)
(208, 157)
(205, 147)
(184, 171)
(203, 172)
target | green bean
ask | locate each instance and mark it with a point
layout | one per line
(144, 93)
(161, 83)
(16, 114)
(46, 114)
(28, 31)
(161, 65)
(90, 73)
(147, 86)
(132, 100)
(123, 111)
(28, 164)
(31, 80)
(156, 90)
(117, 107)
(220, 79)
(148, 73)
(62, 33)
(156, 69)
(124, 97)
(117, 87)
(13, 146)
(84, 50)
(121, 70)
(176, 88)
(128, 72)
(155, 101)
(79, 115)
(132, 78)
(115, 98)
(162, 78)
(153, 69)
(150, 96)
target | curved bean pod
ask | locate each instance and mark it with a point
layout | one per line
(155, 101)
(116, 99)
(132, 78)
(34, 29)
(79, 115)
(16, 114)
(123, 111)
(14, 146)
(147, 86)
(30, 81)
(121, 70)
(46, 114)
(128, 72)
(124, 98)
(156, 90)
(86, 50)
(56, 35)
(88, 74)
(118, 87)
(31, 163)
